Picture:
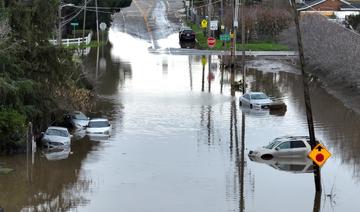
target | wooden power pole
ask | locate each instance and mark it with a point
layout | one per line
(309, 116)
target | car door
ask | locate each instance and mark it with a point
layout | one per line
(283, 149)
(298, 148)
(246, 99)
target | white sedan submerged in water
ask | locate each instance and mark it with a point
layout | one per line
(99, 126)
(56, 137)
(257, 100)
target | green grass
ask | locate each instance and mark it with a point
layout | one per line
(84, 46)
(254, 46)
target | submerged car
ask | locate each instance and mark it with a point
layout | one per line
(56, 137)
(57, 154)
(286, 146)
(79, 120)
(257, 100)
(99, 126)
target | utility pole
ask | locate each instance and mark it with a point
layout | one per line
(84, 21)
(233, 51)
(243, 45)
(59, 27)
(97, 22)
(313, 143)
(209, 17)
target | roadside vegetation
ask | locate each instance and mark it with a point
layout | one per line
(37, 79)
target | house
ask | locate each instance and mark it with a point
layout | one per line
(332, 8)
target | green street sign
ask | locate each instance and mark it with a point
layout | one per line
(225, 37)
(74, 24)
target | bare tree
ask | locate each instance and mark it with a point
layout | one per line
(331, 50)
(4, 30)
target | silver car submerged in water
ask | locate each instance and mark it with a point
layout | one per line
(284, 147)
(257, 100)
(56, 137)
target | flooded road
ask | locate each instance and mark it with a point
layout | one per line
(176, 148)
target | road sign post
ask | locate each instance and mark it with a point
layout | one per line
(211, 42)
(74, 25)
(319, 155)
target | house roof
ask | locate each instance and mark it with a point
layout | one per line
(353, 6)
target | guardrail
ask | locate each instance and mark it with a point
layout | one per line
(74, 41)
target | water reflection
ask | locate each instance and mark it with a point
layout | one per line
(56, 183)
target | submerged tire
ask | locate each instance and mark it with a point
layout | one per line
(251, 106)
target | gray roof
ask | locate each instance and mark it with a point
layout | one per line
(345, 5)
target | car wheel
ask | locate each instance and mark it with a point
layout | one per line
(251, 106)
(267, 157)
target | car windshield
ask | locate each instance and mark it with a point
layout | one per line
(95, 124)
(56, 132)
(80, 116)
(187, 31)
(258, 96)
(272, 144)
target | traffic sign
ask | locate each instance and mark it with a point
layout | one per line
(225, 37)
(214, 25)
(211, 42)
(204, 23)
(102, 26)
(74, 24)
(319, 155)
(203, 60)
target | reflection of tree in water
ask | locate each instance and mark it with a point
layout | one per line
(111, 75)
(49, 185)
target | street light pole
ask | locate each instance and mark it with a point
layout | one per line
(60, 24)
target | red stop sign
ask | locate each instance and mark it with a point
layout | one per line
(211, 42)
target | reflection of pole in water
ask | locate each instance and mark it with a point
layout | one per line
(209, 75)
(209, 125)
(190, 72)
(317, 202)
(231, 129)
(203, 78)
(242, 164)
(222, 74)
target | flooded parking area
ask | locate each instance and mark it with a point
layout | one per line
(175, 147)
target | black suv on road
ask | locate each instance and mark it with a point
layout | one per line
(186, 34)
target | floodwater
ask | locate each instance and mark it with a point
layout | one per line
(176, 148)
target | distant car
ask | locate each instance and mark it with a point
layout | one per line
(293, 165)
(286, 146)
(56, 137)
(99, 126)
(186, 34)
(257, 100)
(79, 120)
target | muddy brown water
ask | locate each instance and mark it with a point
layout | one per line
(175, 148)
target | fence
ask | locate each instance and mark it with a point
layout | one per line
(74, 41)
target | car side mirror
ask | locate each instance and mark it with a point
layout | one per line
(277, 148)
(71, 136)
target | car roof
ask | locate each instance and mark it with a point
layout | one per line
(98, 119)
(290, 137)
(254, 92)
(57, 128)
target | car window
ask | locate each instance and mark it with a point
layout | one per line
(285, 145)
(187, 31)
(297, 144)
(258, 96)
(247, 96)
(79, 116)
(291, 167)
(272, 144)
(56, 132)
(95, 124)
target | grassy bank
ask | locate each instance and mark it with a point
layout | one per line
(253, 46)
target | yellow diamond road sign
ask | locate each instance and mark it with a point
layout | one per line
(319, 155)
(204, 23)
